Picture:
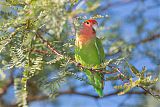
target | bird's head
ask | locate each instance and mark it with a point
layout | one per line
(90, 24)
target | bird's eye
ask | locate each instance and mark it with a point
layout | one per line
(87, 22)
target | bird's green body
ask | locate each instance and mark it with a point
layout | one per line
(89, 52)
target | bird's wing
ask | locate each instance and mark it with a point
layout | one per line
(98, 77)
(100, 49)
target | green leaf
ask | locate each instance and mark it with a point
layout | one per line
(134, 70)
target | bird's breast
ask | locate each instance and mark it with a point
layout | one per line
(83, 40)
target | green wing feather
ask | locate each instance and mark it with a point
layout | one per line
(99, 76)
(100, 49)
(92, 55)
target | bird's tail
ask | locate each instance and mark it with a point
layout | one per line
(96, 79)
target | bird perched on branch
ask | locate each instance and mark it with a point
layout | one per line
(90, 53)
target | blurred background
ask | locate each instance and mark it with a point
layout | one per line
(129, 29)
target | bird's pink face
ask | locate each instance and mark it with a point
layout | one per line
(90, 24)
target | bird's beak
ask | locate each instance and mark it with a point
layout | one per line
(95, 26)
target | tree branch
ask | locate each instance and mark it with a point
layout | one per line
(97, 97)
(151, 38)
(118, 3)
(53, 50)
(45, 97)
(35, 98)
(143, 41)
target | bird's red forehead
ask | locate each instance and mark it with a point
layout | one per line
(92, 21)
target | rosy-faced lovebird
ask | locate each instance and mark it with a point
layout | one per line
(90, 53)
